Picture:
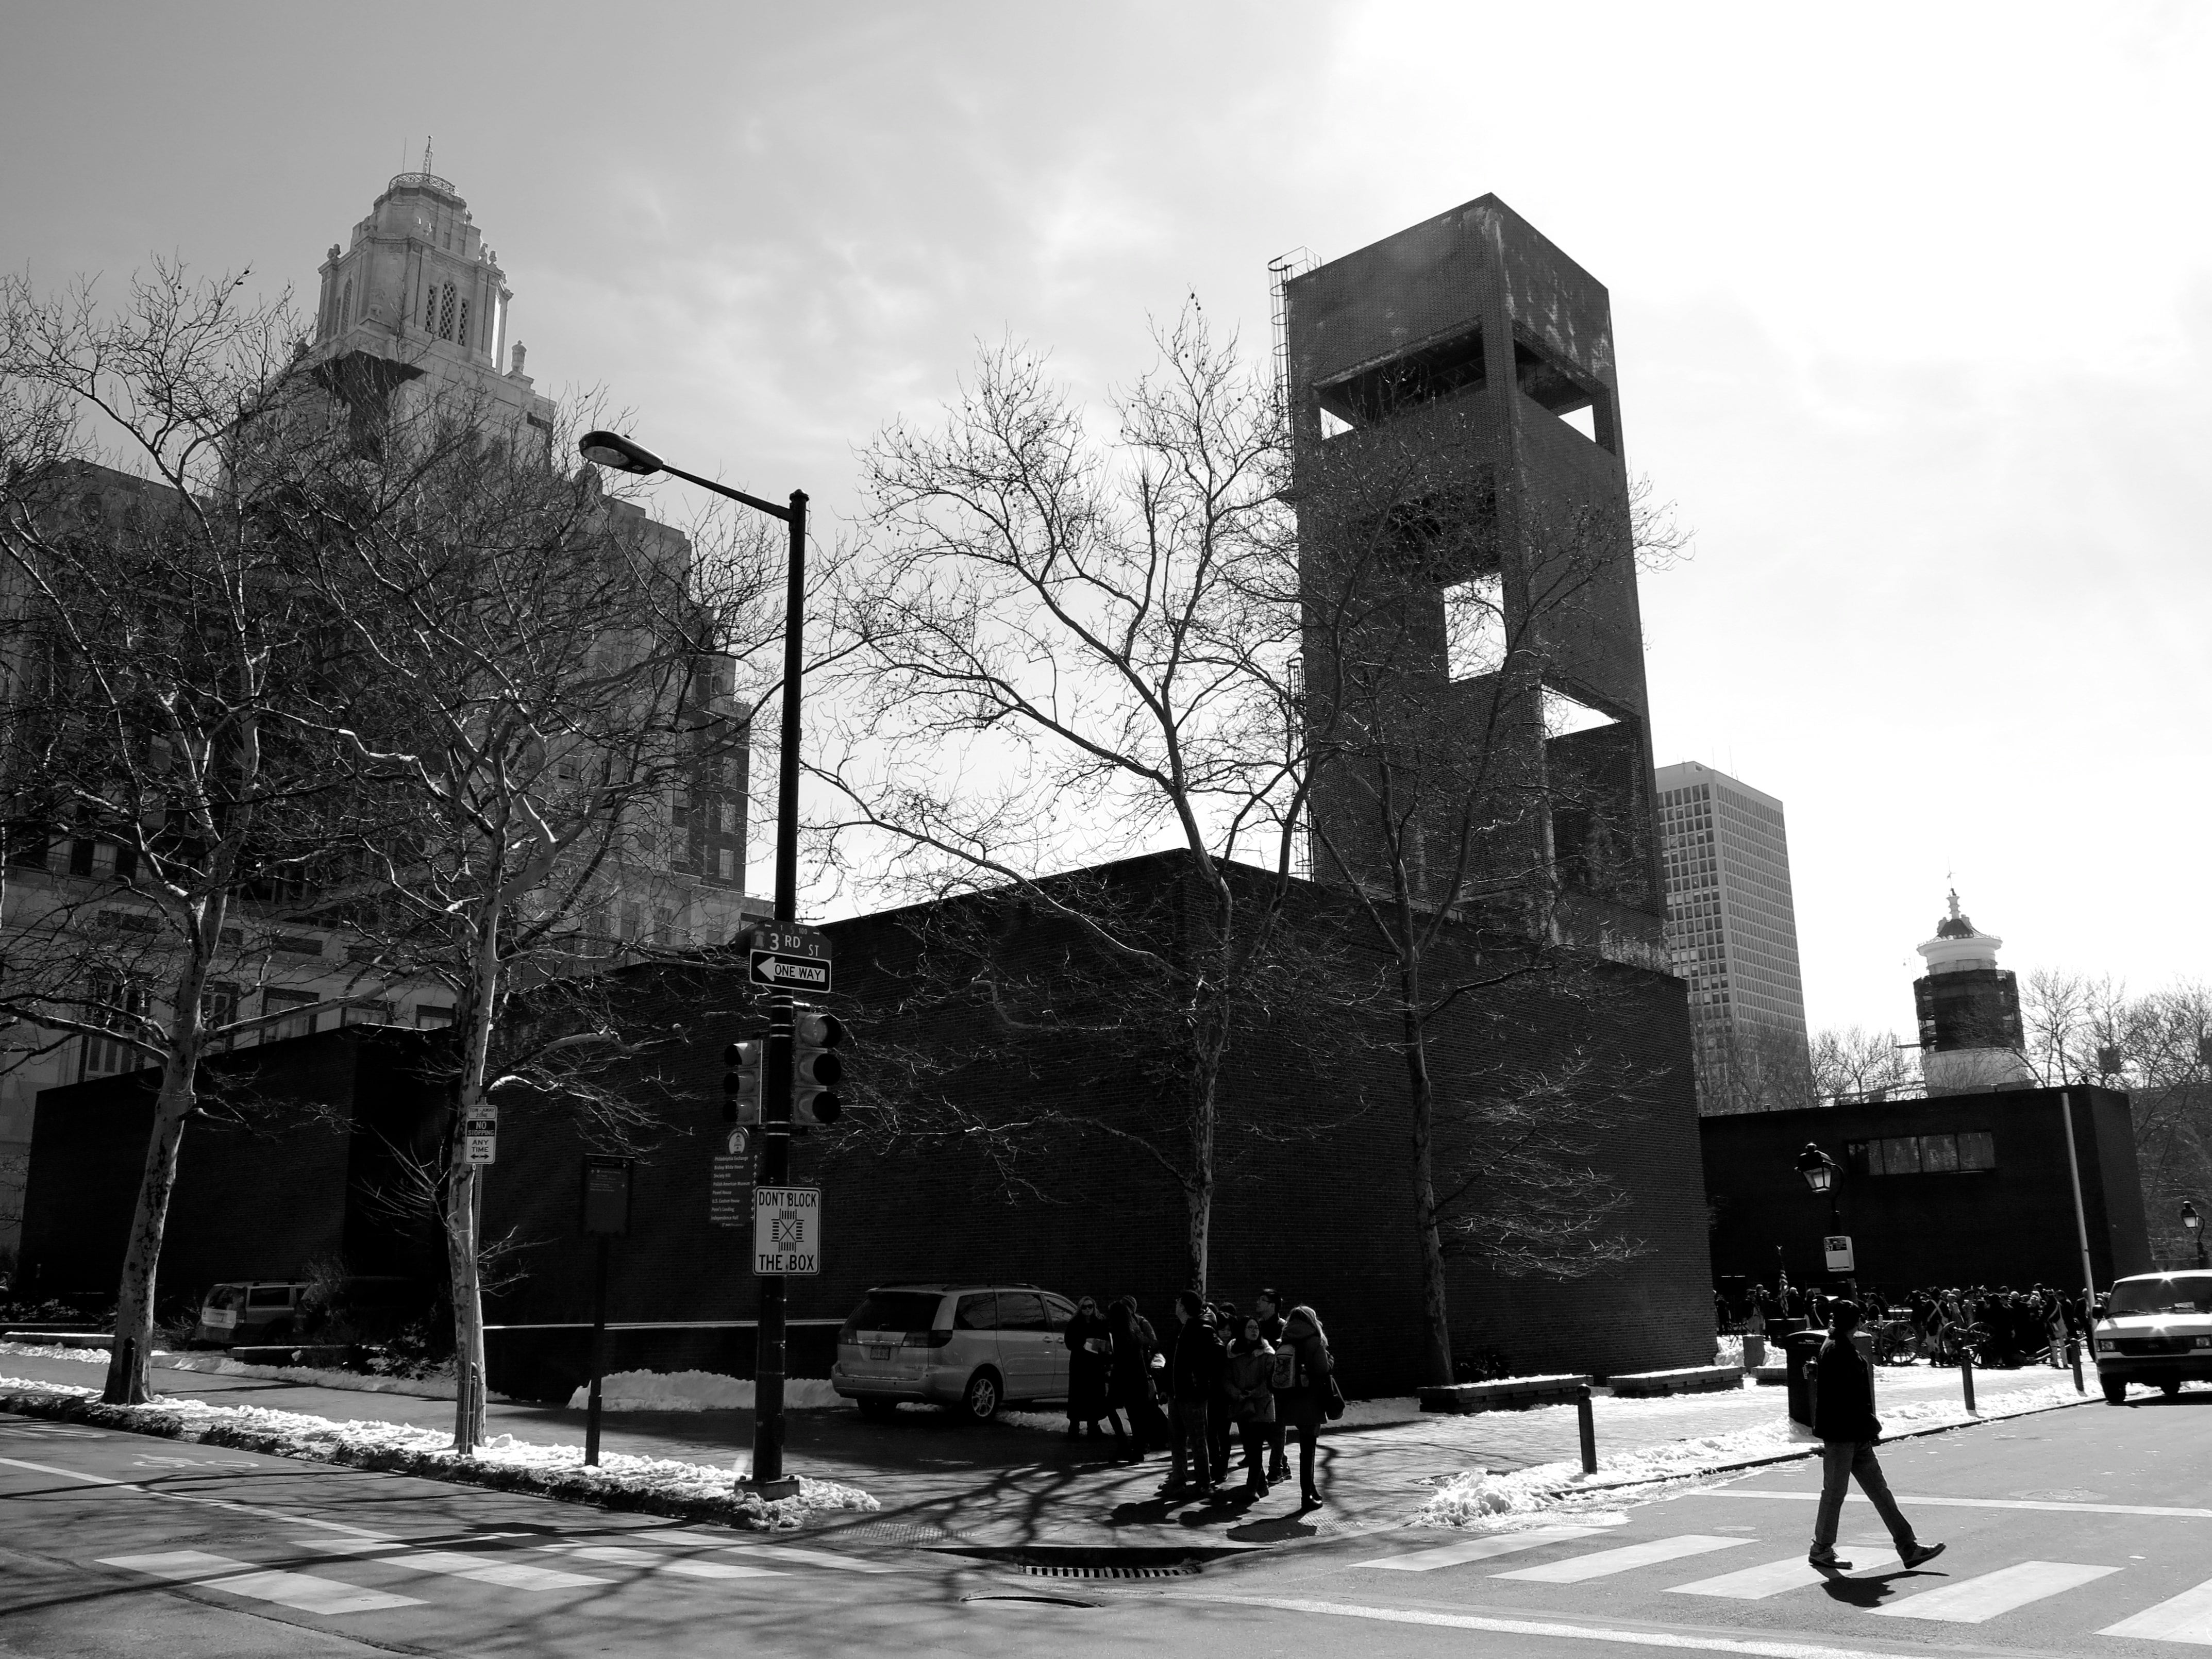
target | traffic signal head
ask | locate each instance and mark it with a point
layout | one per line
(741, 1083)
(815, 1069)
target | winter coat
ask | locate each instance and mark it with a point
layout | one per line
(1251, 1383)
(1843, 1397)
(1129, 1374)
(1089, 1367)
(1195, 1365)
(1304, 1403)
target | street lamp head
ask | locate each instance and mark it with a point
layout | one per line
(2189, 1218)
(1818, 1168)
(612, 449)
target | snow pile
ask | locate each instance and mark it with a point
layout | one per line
(1476, 1496)
(47, 1351)
(659, 1485)
(699, 1391)
(1728, 1351)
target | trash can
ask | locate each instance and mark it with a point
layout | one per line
(1798, 1348)
(1754, 1351)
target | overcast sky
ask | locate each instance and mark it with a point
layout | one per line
(1913, 305)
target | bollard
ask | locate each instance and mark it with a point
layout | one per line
(1586, 1421)
(1967, 1376)
(2074, 1358)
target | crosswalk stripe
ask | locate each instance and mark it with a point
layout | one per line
(454, 1564)
(1477, 1549)
(301, 1591)
(1974, 1600)
(617, 1555)
(809, 1558)
(1603, 1562)
(2184, 1618)
(1792, 1573)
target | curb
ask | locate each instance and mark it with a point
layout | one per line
(1811, 1449)
(750, 1514)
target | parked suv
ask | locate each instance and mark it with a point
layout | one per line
(247, 1311)
(2157, 1330)
(973, 1347)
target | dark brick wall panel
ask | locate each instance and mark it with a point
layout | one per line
(2010, 1226)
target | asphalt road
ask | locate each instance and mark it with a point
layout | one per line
(2061, 1528)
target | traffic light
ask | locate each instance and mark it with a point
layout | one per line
(815, 1069)
(741, 1083)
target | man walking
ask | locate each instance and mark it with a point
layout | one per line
(1843, 1416)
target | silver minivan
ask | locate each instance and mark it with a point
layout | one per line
(973, 1347)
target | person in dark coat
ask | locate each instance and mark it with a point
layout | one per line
(1129, 1373)
(1843, 1416)
(1303, 1390)
(1250, 1384)
(1194, 1367)
(1220, 1421)
(1265, 1305)
(1090, 1368)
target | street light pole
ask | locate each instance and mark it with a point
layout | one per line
(770, 1355)
(2195, 1224)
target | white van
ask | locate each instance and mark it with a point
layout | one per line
(2156, 1330)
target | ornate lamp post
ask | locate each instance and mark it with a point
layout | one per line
(2195, 1223)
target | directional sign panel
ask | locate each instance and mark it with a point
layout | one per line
(480, 1149)
(727, 1183)
(787, 1230)
(791, 972)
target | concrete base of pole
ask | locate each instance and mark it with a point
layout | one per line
(769, 1491)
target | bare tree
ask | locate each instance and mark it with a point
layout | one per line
(544, 686)
(1468, 804)
(1853, 1061)
(1073, 647)
(163, 797)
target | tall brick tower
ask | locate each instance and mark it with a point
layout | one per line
(1469, 565)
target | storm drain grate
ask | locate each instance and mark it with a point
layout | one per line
(1032, 1570)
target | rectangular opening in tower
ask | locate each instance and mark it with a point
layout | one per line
(1474, 626)
(1592, 763)
(1558, 389)
(1444, 368)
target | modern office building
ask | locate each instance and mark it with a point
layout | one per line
(1732, 934)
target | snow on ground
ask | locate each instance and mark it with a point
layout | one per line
(663, 1484)
(1481, 1497)
(47, 1351)
(699, 1391)
(427, 1387)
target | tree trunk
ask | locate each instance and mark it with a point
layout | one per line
(468, 1307)
(130, 1355)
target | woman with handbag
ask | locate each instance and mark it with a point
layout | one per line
(1306, 1392)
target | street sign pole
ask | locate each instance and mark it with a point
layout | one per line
(768, 1361)
(598, 1358)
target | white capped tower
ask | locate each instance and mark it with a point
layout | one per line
(1969, 1010)
(416, 300)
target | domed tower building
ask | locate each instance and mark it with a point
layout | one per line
(1971, 1039)
(414, 306)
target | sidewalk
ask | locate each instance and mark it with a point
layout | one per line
(944, 1482)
